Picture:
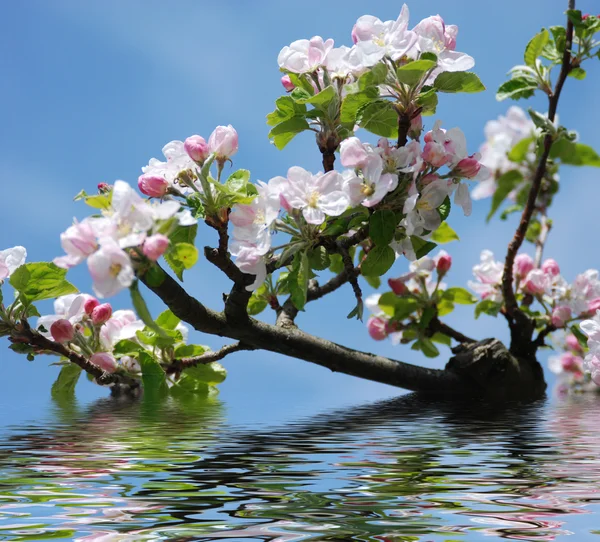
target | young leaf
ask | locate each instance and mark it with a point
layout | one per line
(353, 102)
(283, 133)
(153, 377)
(506, 183)
(535, 46)
(411, 74)
(142, 309)
(298, 280)
(444, 234)
(378, 261)
(574, 154)
(517, 88)
(487, 306)
(397, 307)
(380, 118)
(41, 280)
(66, 381)
(421, 247)
(458, 82)
(519, 152)
(460, 296)
(382, 226)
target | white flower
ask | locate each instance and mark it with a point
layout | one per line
(304, 56)
(317, 195)
(110, 268)
(10, 259)
(80, 240)
(421, 210)
(489, 276)
(123, 324)
(374, 184)
(250, 259)
(68, 307)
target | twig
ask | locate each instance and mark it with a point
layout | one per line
(179, 365)
(541, 241)
(438, 325)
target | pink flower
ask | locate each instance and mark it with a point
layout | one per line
(353, 153)
(80, 241)
(110, 268)
(155, 246)
(523, 264)
(571, 363)
(550, 267)
(304, 56)
(443, 262)
(467, 168)
(435, 154)
(90, 304)
(287, 83)
(153, 185)
(560, 315)
(223, 142)
(101, 314)
(398, 286)
(197, 148)
(62, 331)
(377, 328)
(536, 282)
(416, 127)
(594, 305)
(573, 343)
(105, 361)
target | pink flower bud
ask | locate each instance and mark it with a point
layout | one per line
(570, 362)
(398, 286)
(62, 331)
(101, 314)
(443, 262)
(429, 178)
(197, 148)
(560, 315)
(435, 154)
(155, 246)
(550, 267)
(90, 304)
(416, 127)
(153, 185)
(536, 282)
(223, 142)
(573, 343)
(105, 361)
(287, 83)
(523, 264)
(594, 305)
(467, 168)
(377, 328)
(354, 35)
(104, 187)
(585, 16)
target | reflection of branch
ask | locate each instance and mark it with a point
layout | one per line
(512, 308)
(208, 357)
(44, 344)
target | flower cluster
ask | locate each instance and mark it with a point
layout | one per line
(93, 329)
(562, 301)
(373, 41)
(591, 328)
(569, 365)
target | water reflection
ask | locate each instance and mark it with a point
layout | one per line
(404, 469)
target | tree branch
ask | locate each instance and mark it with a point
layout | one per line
(437, 325)
(510, 300)
(403, 128)
(541, 242)
(179, 365)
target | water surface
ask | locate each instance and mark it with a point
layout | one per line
(397, 470)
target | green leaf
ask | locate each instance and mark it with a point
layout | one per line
(283, 133)
(286, 109)
(190, 350)
(209, 373)
(428, 56)
(382, 226)
(41, 280)
(427, 347)
(67, 380)
(397, 307)
(574, 154)
(428, 101)
(167, 320)
(506, 183)
(323, 98)
(258, 300)
(318, 258)
(337, 265)
(460, 296)
(421, 247)
(300, 95)
(444, 234)
(373, 282)
(153, 377)
(441, 339)
(378, 261)
(298, 280)
(445, 307)
(181, 256)
(519, 152)
(127, 347)
(578, 73)
(353, 102)
(380, 118)
(141, 309)
(444, 208)
(100, 201)
(487, 306)
(411, 74)
(375, 76)
(535, 46)
(458, 82)
(581, 338)
(168, 337)
(516, 88)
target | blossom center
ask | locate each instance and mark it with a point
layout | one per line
(313, 199)
(259, 217)
(424, 205)
(367, 190)
(115, 269)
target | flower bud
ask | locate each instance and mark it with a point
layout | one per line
(105, 361)
(443, 262)
(573, 343)
(550, 267)
(101, 314)
(430, 178)
(523, 264)
(90, 304)
(467, 168)
(560, 315)
(535, 283)
(62, 331)
(416, 127)
(435, 154)
(155, 246)
(398, 286)
(153, 185)
(197, 148)
(594, 305)
(103, 188)
(223, 142)
(377, 328)
(287, 83)
(570, 362)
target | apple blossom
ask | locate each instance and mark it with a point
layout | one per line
(80, 241)
(155, 246)
(443, 262)
(354, 153)
(223, 142)
(462, 198)
(550, 267)
(62, 331)
(154, 186)
(130, 364)
(101, 314)
(197, 148)
(178, 160)
(287, 83)
(398, 286)
(105, 361)
(110, 269)
(304, 56)
(317, 195)
(123, 324)
(250, 259)
(536, 282)
(561, 315)
(523, 264)
(573, 343)
(421, 209)
(594, 305)
(488, 273)
(374, 184)
(90, 304)
(377, 328)
(69, 307)
(10, 260)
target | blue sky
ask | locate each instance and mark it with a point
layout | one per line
(91, 90)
